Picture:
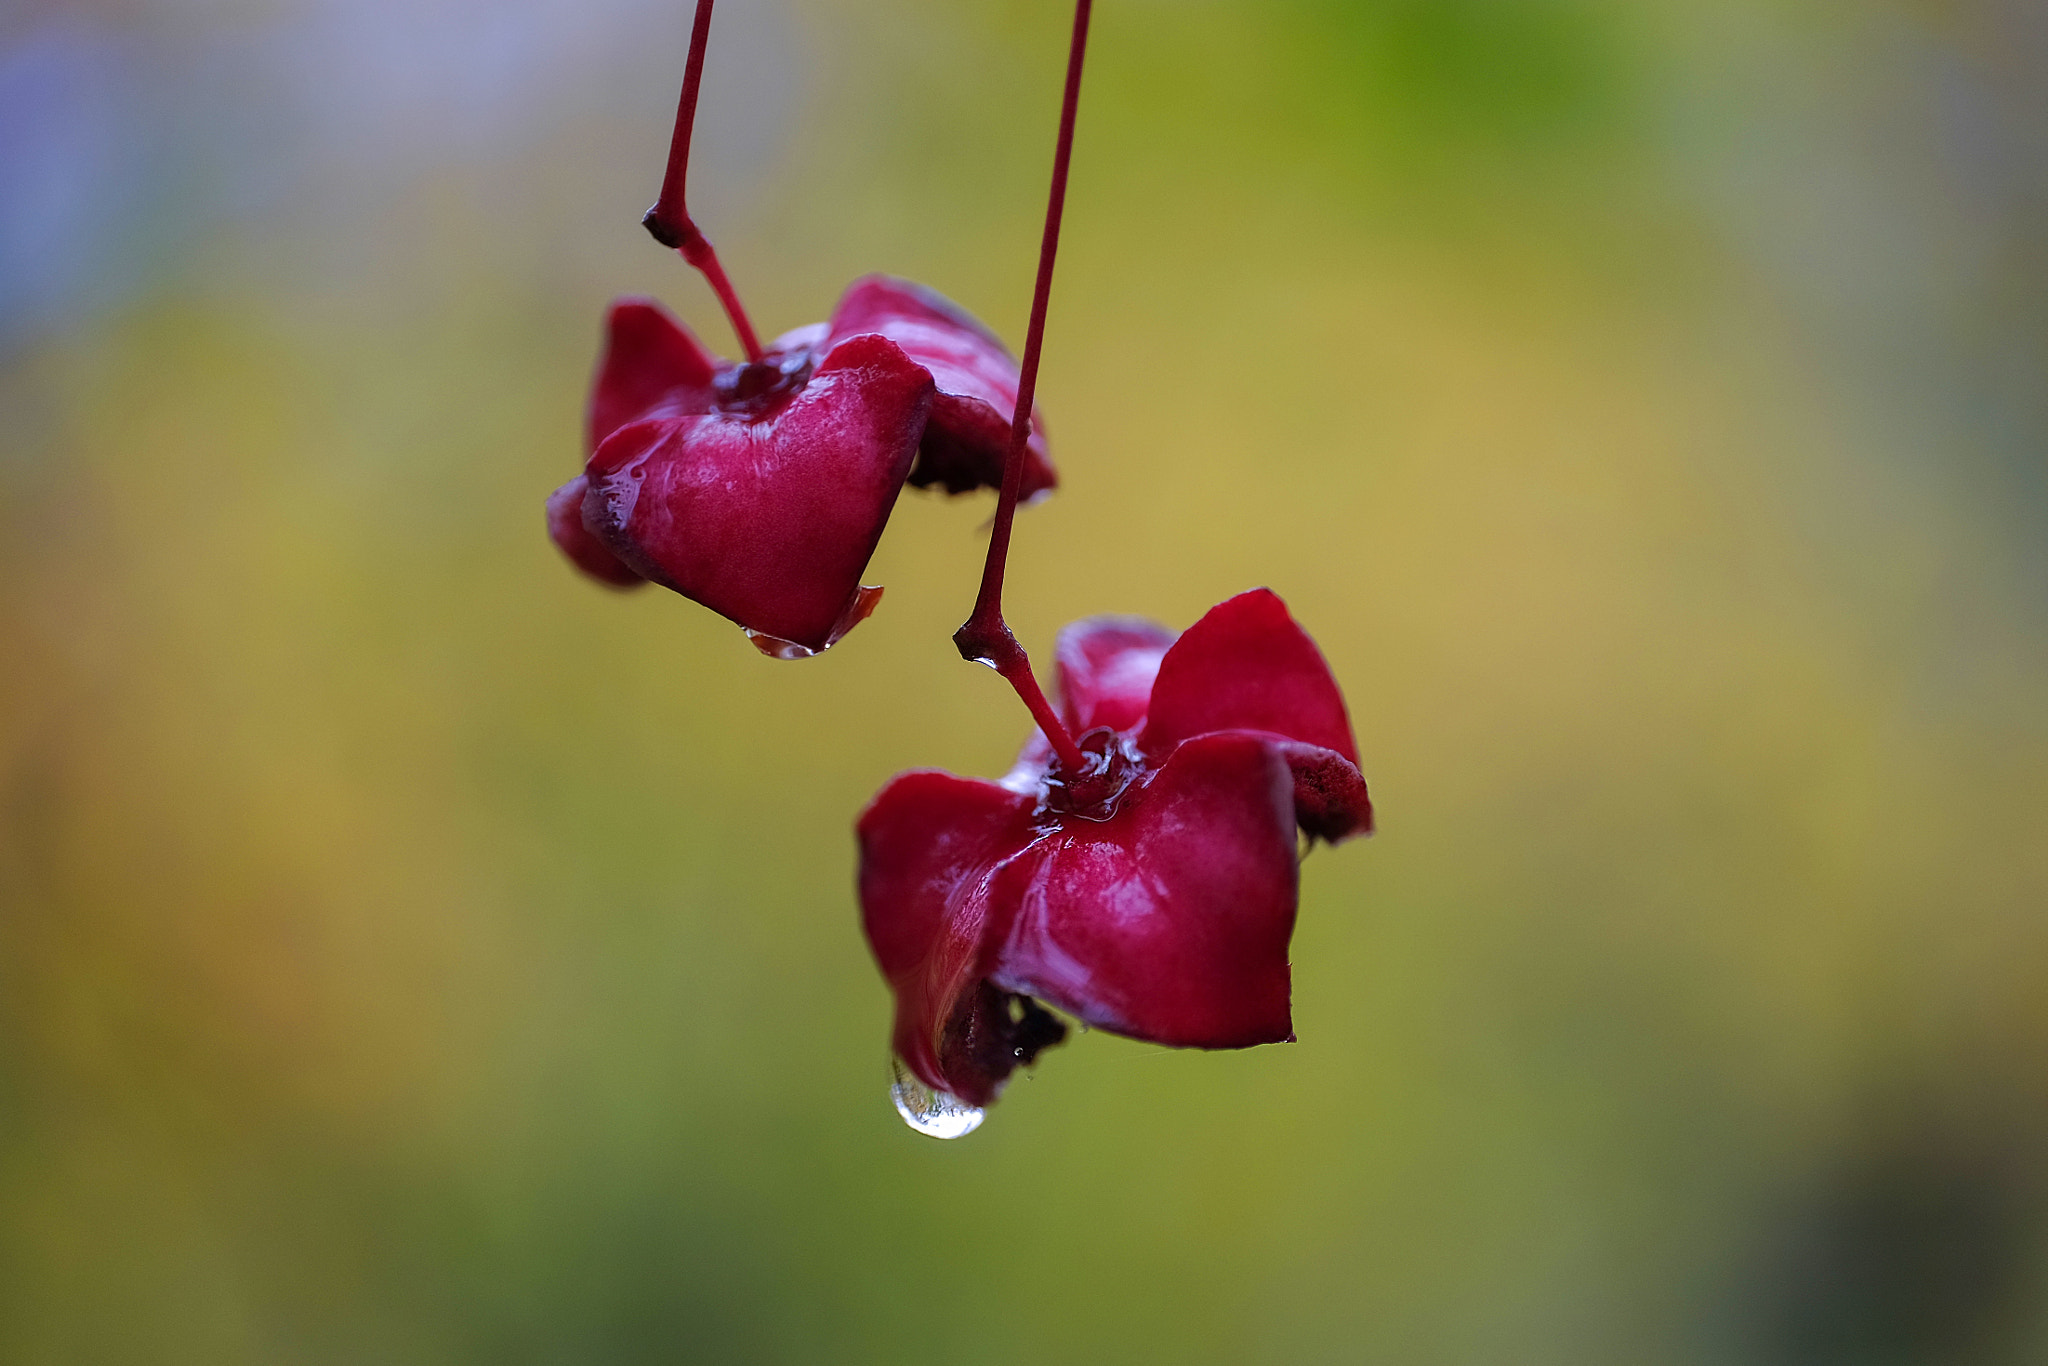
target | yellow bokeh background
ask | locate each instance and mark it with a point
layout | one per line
(411, 952)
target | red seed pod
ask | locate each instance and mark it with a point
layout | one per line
(1151, 895)
(761, 488)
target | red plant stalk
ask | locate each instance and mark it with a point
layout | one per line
(985, 637)
(669, 220)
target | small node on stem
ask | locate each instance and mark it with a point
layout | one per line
(982, 641)
(658, 228)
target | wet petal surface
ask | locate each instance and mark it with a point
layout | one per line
(572, 538)
(930, 845)
(1105, 670)
(651, 364)
(1169, 921)
(1246, 665)
(976, 377)
(767, 513)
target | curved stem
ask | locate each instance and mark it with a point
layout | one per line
(986, 637)
(669, 220)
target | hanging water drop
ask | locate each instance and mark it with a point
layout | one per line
(775, 647)
(857, 611)
(936, 1114)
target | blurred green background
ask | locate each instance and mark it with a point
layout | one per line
(410, 952)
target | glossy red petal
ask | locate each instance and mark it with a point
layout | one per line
(768, 518)
(930, 844)
(1246, 665)
(585, 551)
(1105, 668)
(969, 430)
(651, 365)
(1169, 921)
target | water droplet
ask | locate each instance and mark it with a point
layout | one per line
(857, 611)
(775, 647)
(935, 1114)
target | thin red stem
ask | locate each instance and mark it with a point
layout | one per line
(669, 220)
(986, 636)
